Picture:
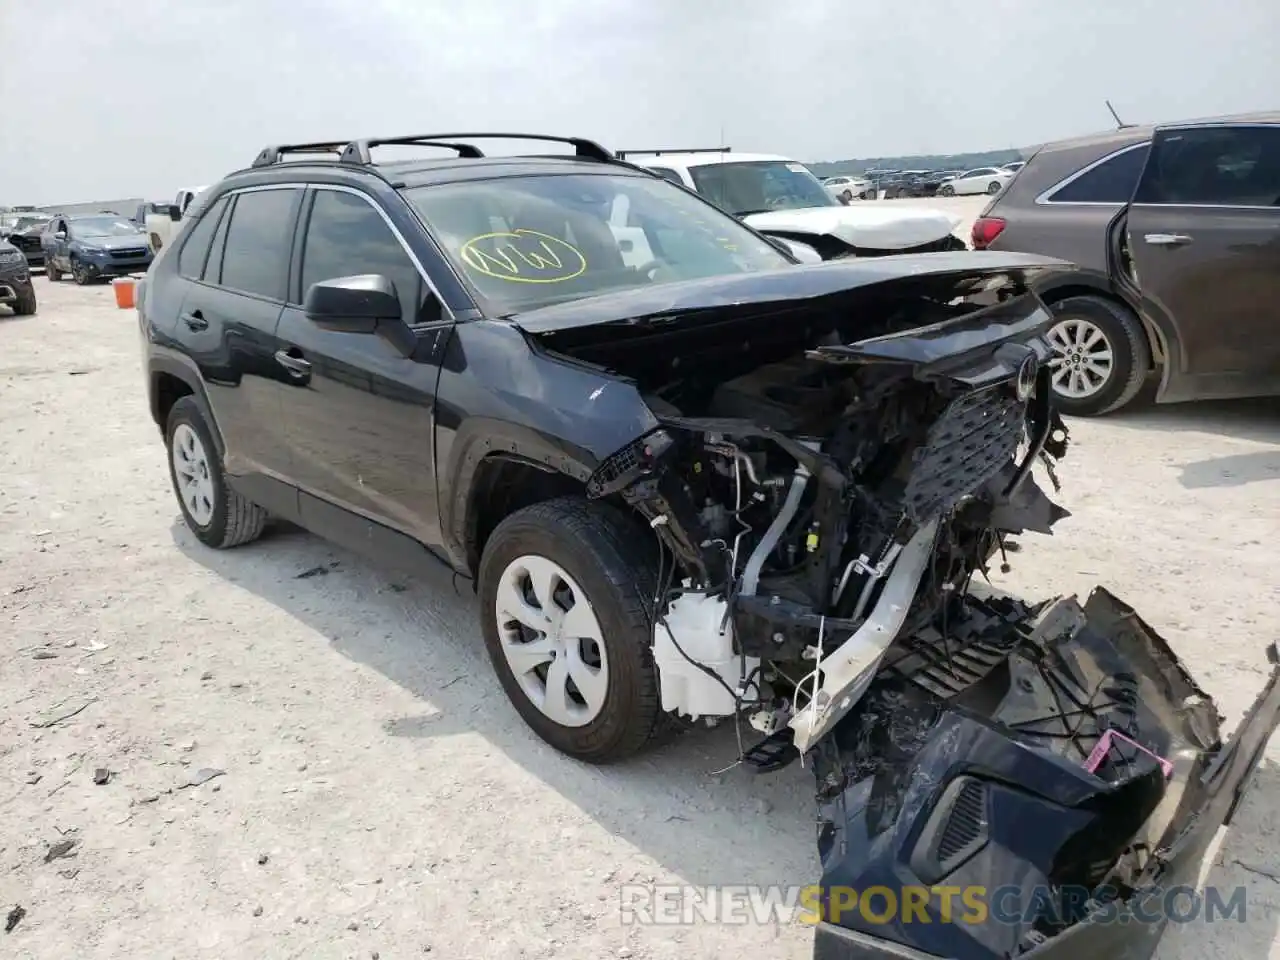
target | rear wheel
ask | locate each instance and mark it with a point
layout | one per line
(52, 272)
(216, 514)
(1101, 355)
(993, 187)
(565, 587)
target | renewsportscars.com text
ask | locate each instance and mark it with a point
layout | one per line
(680, 905)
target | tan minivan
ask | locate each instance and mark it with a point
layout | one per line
(1178, 230)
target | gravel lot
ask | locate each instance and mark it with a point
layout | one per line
(378, 796)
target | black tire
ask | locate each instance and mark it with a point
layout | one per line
(79, 273)
(614, 563)
(52, 272)
(1130, 351)
(946, 190)
(847, 196)
(235, 520)
(993, 187)
(25, 305)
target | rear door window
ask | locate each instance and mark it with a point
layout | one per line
(1232, 166)
(195, 248)
(1111, 181)
(256, 258)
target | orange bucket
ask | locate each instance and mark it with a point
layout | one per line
(123, 287)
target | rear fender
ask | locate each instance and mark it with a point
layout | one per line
(182, 368)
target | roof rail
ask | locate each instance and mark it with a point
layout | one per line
(274, 154)
(357, 151)
(622, 154)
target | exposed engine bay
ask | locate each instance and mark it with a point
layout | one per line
(829, 485)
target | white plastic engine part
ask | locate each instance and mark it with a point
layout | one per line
(694, 620)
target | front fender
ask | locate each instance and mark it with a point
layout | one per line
(500, 395)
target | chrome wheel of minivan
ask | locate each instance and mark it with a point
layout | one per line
(1084, 363)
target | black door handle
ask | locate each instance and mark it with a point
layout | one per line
(296, 366)
(195, 320)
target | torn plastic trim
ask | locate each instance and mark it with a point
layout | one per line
(976, 350)
(845, 673)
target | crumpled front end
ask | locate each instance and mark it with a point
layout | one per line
(863, 230)
(1035, 794)
(830, 481)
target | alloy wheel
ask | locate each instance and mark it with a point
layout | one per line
(191, 467)
(1084, 361)
(552, 640)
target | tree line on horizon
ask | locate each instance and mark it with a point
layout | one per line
(928, 161)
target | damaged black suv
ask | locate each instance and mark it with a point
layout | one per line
(693, 479)
(16, 289)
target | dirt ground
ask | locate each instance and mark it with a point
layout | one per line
(375, 795)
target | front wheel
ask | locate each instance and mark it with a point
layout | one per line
(25, 305)
(216, 514)
(947, 191)
(79, 273)
(565, 588)
(1101, 355)
(847, 196)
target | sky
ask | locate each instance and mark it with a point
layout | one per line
(106, 99)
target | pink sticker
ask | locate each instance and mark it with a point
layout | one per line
(1103, 747)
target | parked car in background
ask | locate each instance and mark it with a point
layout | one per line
(981, 180)
(1178, 228)
(94, 247)
(782, 198)
(161, 224)
(1013, 167)
(23, 230)
(847, 188)
(16, 289)
(150, 208)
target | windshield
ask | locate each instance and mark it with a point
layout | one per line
(103, 227)
(529, 241)
(760, 186)
(24, 220)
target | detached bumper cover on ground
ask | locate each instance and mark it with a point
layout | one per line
(919, 794)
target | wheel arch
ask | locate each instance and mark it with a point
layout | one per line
(1087, 283)
(497, 484)
(169, 381)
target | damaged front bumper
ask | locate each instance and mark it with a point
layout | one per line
(1078, 781)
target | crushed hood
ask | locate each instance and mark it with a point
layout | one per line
(944, 275)
(861, 225)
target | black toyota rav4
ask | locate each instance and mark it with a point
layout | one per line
(694, 480)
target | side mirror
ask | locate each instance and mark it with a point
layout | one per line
(353, 304)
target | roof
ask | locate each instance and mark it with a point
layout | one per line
(1137, 133)
(702, 158)
(426, 171)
